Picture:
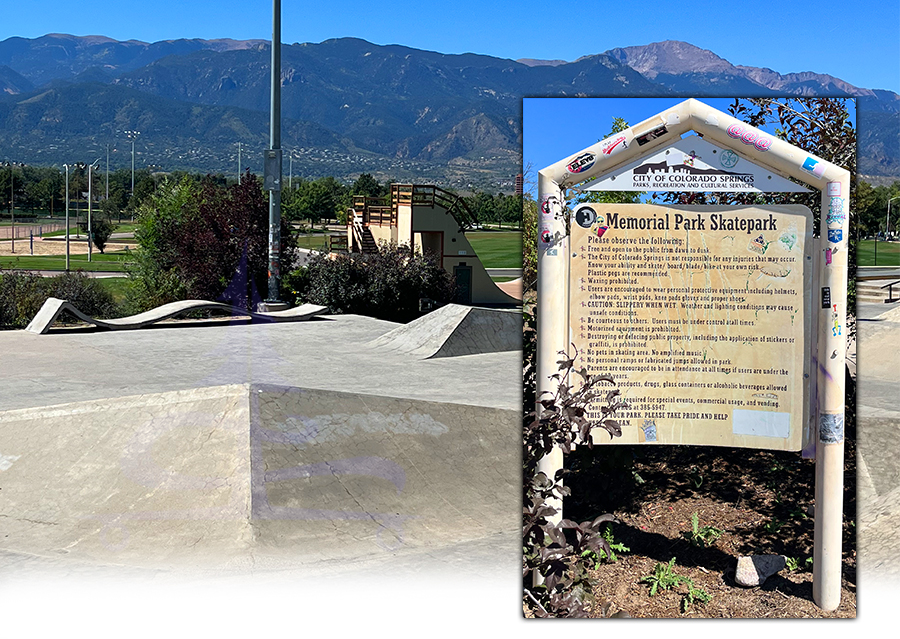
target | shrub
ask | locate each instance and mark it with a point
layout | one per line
(387, 285)
(23, 294)
(204, 241)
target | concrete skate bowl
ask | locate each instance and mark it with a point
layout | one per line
(54, 307)
(454, 330)
(240, 475)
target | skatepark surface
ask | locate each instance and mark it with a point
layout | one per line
(222, 456)
(878, 423)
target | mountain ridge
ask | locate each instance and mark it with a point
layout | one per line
(390, 109)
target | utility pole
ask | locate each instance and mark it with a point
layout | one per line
(90, 229)
(273, 165)
(12, 207)
(67, 216)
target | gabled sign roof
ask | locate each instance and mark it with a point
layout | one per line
(693, 164)
(664, 130)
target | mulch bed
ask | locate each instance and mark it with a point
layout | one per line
(762, 502)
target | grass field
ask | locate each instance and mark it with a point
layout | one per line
(117, 286)
(125, 227)
(498, 249)
(888, 253)
(99, 262)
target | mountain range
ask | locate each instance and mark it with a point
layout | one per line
(350, 106)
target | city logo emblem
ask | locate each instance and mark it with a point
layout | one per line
(835, 235)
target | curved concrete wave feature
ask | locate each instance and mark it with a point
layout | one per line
(52, 308)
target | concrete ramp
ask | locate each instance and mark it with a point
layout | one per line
(54, 307)
(249, 475)
(455, 330)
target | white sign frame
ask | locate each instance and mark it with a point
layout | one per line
(763, 149)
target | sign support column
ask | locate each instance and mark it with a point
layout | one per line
(552, 311)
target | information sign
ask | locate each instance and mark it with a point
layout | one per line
(699, 313)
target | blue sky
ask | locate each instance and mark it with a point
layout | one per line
(860, 44)
(555, 128)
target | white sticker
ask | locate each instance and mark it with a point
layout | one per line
(760, 423)
(834, 189)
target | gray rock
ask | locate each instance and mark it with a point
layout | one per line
(753, 570)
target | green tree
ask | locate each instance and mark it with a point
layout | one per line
(367, 185)
(100, 229)
(205, 241)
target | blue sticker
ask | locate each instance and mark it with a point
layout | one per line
(813, 166)
(835, 235)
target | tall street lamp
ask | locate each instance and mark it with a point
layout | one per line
(12, 207)
(887, 223)
(67, 216)
(273, 170)
(132, 135)
(239, 162)
(90, 229)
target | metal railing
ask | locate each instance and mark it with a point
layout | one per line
(890, 287)
(430, 196)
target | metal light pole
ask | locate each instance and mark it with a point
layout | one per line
(132, 135)
(291, 171)
(67, 216)
(12, 206)
(107, 171)
(90, 229)
(239, 162)
(273, 163)
(887, 223)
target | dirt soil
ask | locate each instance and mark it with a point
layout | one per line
(761, 501)
(57, 247)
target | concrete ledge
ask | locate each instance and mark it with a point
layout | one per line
(52, 308)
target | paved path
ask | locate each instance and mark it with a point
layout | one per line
(878, 426)
(398, 498)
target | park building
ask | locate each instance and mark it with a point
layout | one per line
(432, 221)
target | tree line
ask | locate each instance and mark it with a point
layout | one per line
(42, 190)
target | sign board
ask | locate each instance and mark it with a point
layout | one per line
(701, 314)
(693, 164)
(272, 170)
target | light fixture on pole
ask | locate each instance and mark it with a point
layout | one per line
(90, 229)
(67, 216)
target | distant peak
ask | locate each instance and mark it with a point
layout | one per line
(671, 57)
